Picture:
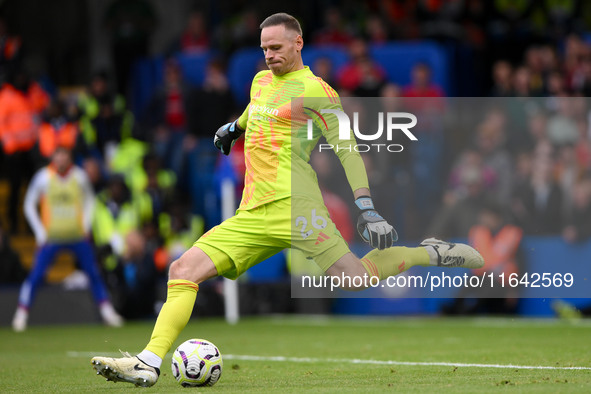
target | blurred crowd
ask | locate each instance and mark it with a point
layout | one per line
(155, 172)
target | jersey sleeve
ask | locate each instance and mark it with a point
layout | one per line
(243, 119)
(254, 88)
(32, 198)
(344, 148)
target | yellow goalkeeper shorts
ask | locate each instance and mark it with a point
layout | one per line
(254, 235)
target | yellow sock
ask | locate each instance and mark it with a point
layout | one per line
(392, 261)
(174, 315)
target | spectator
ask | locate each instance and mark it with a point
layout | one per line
(166, 118)
(56, 130)
(537, 204)
(104, 133)
(499, 244)
(136, 278)
(361, 76)
(213, 106)
(194, 38)
(246, 32)
(423, 98)
(460, 213)
(562, 127)
(334, 31)
(522, 82)
(323, 68)
(490, 143)
(66, 202)
(470, 160)
(100, 92)
(502, 76)
(178, 228)
(156, 182)
(421, 83)
(118, 212)
(21, 102)
(376, 31)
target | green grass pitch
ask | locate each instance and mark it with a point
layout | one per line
(294, 354)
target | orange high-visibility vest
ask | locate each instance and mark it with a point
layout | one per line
(499, 251)
(38, 97)
(18, 129)
(50, 138)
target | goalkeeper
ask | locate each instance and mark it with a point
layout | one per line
(272, 216)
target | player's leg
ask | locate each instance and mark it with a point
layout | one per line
(43, 259)
(87, 260)
(185, 274)
(379, 263)
(392, 261)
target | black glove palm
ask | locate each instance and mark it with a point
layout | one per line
(372, 227)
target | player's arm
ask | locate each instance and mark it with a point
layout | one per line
(372, 227)
(226, 136)
(89, 203)
(31, 202)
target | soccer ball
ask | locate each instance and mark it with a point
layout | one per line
(197, 362)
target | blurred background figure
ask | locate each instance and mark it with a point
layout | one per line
(21, 104)
(119, 211)
(56, 130)
(134, 293)
(194, 38)
(362, 76)
(502, 87)
(59, 206)
(421, 83)
(499, 243)
(166, 119)
(537, 203)
(334, 30)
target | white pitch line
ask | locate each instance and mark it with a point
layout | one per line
(354, 361)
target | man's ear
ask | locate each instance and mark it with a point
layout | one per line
(299, 42)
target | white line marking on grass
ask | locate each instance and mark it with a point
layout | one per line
(241, 357)
(390, 362)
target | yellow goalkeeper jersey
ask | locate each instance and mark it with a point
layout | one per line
(278, 143)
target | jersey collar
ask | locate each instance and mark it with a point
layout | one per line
(294, 74)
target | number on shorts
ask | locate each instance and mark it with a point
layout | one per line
(304, 221)
(316, 218)
(318, 222)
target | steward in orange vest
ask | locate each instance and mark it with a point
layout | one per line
(56, 130)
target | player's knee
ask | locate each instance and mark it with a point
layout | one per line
(192, 267)
(179, 269)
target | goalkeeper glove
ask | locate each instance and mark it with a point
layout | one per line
(372, 227)
(226, 136)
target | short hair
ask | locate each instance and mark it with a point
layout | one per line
(284, 19)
